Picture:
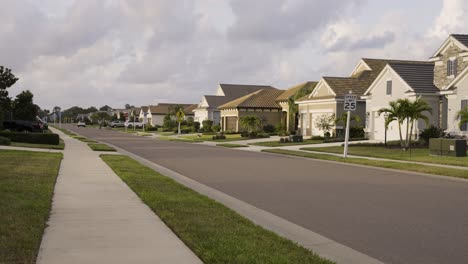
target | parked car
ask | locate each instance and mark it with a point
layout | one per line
(23, 126)
(129, 124)
(81, 124)
(117, 123)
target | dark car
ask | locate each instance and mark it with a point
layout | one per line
(23, 126)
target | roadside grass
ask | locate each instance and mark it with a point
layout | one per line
(215, 233)
(229, 145)
(459, 173)
(229, 137)
(85, 139)
(27, 181)
(180, 139)
(66, 132)
(417, 154)
(278, 144)
(145, 134)
(60, 146)
(100, 147)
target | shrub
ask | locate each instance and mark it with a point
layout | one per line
(317, 138)
(262, 135)
(269, 129)
(281, 140)
(356, 132)
(219, 136)
(5, 141)
(431, 132)
(207, 125)
(34, 138)
(244, 134)
(196, 126)
(286, 140)
(331, 140)
(216, 128)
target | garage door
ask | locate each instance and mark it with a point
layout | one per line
(231, 123)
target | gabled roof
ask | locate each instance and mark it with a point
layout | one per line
(144, 109)
(189, 109)
(234, 91)
(215, 101)
(264, 98)
(164, 108)
(307, 86)
(462, 38)
(418, 75)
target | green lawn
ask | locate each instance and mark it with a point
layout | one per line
(66, 132)
(420, 155)
(213, 232)
(278, 144)
(61, 145)
(100, 147)
(229, 145)
(460, 173)
(180, 139)
(85, 139)
(27, 182)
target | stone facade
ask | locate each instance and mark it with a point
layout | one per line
(441, 79)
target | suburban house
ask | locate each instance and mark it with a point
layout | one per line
(328, 96)
(144, 115)
(207, 109)
(451, 77)
(156, 113)
(400, 80)
(261, 103)
(289, 97)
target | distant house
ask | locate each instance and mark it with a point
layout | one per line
(144, 115)
(261, 103)
(451, 77)
(207, 109)
(158, 112)
(289, 96)
(327, 97)
(400, 80)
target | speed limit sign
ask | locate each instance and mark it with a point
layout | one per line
(350, 102)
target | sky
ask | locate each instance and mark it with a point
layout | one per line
(141, 52)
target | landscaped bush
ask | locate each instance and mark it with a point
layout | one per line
(5, 141)
(317, 138)
(431, 132)
(393, 144)
(207, 125)
(356, 132)
(244, 134)
(269, 129)
(34, 138)
(216, 128)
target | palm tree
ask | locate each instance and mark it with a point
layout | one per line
(251, 122)
(463, 116)
(415, 112)
(394, 113)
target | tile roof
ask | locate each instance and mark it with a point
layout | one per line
(215, 101)
(189, 109)
(164, 108)
(234, 91)
(264, 98)
(144, 108)
(462, 38)
(418, 75)
(307, 86)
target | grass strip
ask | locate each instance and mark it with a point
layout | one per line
(417, 154)
(229, 137)
(228, 145)
(27, 181)
(180, 140)
(84, 139)
(60, 146)
(66, 132)
(459, 173)
(100, 147)
(278, 144)
(214, 232)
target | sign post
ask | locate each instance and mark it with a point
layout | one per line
(180, 117)
(350, 103)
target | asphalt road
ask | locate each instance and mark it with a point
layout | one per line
(394, 217)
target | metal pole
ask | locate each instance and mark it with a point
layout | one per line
(348, 119)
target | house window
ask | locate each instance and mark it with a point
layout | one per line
(389, 87)
(464, 104)
(452, 67)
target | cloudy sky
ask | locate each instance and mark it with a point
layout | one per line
(96, 52)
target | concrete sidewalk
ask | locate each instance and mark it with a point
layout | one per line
(96, 218)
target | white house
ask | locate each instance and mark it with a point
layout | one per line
(451, 76)
(400, 80)
(158, 112)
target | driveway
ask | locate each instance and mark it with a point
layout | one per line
(395, 217)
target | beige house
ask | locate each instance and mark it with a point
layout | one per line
(207, 109)
(261, 103)
(289, 96)
(156, 113)
(451, 77)
(327, 97)
(401, 80)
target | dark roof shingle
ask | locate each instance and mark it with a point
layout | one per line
(264, 98)
(234, 91)
(419, 76)
(462, 38)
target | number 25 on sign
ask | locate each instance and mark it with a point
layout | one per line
(350, 102)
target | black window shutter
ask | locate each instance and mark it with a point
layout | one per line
(454, 67)
(464, 104)
(449, 64)
(389, 87)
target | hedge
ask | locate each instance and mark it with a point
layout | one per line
(5, 141)
(34, 138)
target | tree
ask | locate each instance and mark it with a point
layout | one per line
(122, 116)
(128, 106)
(344, 117)
(251, 122)
(462, 115)
(325, 123)
(23, 106)
(100, 117)
(7, 79)
(403, 110)
(105, 108)
(294, 108)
